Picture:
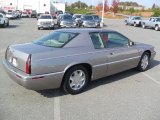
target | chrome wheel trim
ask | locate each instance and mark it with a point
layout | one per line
(156, 28)
(143, 26)
(144, 62)
(77, 80)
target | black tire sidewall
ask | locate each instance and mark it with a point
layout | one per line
(66, 85)
(139, 67)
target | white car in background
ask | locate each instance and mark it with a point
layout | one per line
(11, 15)
(45, 21)
(4, 21)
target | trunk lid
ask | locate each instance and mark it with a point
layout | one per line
(17, 55)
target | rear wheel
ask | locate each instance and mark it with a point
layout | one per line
(8, 23)
(4, 25)
(144, 62)
(38, 28)
(75, 80)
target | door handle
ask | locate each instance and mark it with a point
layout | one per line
(111, 53)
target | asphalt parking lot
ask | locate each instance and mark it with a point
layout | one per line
(129, 95)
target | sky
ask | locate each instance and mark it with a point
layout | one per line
(146, 3)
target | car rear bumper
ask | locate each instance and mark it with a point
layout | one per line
(37, 82)
(45, 26)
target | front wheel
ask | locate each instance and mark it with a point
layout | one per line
(156, 28)
(143, 26)
(144, 62)
(75, 80)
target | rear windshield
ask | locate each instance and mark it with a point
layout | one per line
(137, 18)
(56, 39)
(45, 17)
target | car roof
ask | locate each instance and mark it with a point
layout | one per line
(83, 30)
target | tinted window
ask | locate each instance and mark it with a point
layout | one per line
(113, 40)
(97, 41)
(158, 19)
(45, 17)
(1, 16)
(56, 39)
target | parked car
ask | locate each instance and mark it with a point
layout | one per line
(87, 21)
(72, 57)
(77, 18)
(34, 14)
(24, 15)
(97, 19)
(38, 14)
(65, 20)
(19, 13)
(45, 21)
(59, 12)
(11, 15)
(4, 21)
(153, 22)
(133, 20)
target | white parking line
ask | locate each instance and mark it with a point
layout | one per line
(151, 78)
(2, 51)
(57, 106)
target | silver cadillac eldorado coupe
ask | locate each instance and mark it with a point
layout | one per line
(72, 57)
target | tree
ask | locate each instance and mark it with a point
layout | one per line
(99, 7)
(79, 4)
(114, 7)
(153, 6)
(106, 6)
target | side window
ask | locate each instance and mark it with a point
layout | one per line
(97, 41)
(116, 40)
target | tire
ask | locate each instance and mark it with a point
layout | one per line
(143, 26)
(75, 80)
(4, 25)
(144, 62)
(156, 28)
(126, 23)
(135, 25)
(8, 23)
(38, 28)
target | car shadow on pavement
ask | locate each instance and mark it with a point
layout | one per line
(12, 26)
(106, 80)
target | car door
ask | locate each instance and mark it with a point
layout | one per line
(121, 56)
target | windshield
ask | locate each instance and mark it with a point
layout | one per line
(88, 17)
(67, 17)
(45, 17)
(137, 18)
(56, 39)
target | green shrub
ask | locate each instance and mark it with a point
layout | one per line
(156, 12)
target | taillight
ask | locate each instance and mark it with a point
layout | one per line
(28, 65)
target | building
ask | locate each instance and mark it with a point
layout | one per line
(40, 6)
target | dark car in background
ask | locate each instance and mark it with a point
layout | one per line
(87, 21)
(34, 14)
(77, 18)
(65, 20)
(97, 19)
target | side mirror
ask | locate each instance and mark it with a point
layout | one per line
(131, 43)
